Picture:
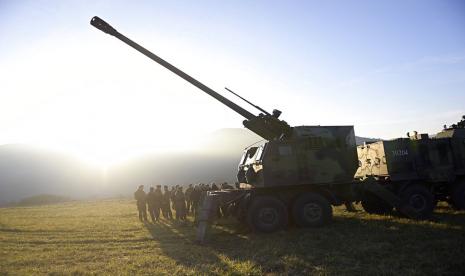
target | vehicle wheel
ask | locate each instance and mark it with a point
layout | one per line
(458, 196)
(312, 210)
(375, 205)
(420, 199)
(267, 214)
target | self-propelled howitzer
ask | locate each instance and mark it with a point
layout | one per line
(267, 126)
(297, 175)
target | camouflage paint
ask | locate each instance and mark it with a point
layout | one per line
(419, 157)
(313, 155)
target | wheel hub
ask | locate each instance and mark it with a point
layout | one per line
(268, 216)
(312, 212)
(418, 202)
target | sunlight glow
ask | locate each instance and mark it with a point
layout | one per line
(68, 106)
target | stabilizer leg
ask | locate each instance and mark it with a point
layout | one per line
(208, 210)
(205, 216)
(390, 198)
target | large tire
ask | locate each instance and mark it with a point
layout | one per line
(267, 214)
(420, 199)
(458, 196)
(375, 205)
(312, 210)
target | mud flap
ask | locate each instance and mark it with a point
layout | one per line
(373, 187)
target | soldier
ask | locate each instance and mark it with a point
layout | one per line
(188, 193)
(172, 195)
(166, 206)
(214, 187)
(140, 196)
(154, 201)
(180, 204)
(158, 199)
(226, 186)
(204, 188)
(195, 198)
(151, 202)
(225, 208)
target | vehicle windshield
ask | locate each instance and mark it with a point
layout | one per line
(243, 158)
(252, 155)
(259, 153)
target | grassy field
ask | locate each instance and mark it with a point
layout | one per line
(105, 237)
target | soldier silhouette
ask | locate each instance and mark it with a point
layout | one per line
(141, 199)
(180, 204)
(188, 195)
(165, 205)
(154, 200)
(195, 198)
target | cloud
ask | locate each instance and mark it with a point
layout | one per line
(423, 64)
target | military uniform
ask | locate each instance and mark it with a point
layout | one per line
(141, 198)
(180, 204)
(195, 198)
(173, 193)
(188, 194)
(224, 209)
(215, 188)
(154, 200)
(165, 205)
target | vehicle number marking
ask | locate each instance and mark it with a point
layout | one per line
(400, 152)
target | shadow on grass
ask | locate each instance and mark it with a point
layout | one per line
(352, 244)
(177, 240)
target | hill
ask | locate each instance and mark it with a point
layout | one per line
(27, 171)
(42, 200)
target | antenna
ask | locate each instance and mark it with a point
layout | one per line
(256, 106)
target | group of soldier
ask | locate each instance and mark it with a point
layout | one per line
(158, 202)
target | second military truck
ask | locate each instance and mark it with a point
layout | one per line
(433, 167)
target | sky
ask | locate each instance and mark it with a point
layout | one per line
(386, 67)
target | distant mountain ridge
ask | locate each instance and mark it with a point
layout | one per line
(361, 140)
(27, 171)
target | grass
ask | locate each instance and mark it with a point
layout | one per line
(106, 237)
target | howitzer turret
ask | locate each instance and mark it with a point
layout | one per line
(265, 125)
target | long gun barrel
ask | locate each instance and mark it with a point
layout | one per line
(268, 127)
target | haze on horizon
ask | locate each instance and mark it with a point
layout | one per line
(386, 67)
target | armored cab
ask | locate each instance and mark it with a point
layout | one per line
(314, 155)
